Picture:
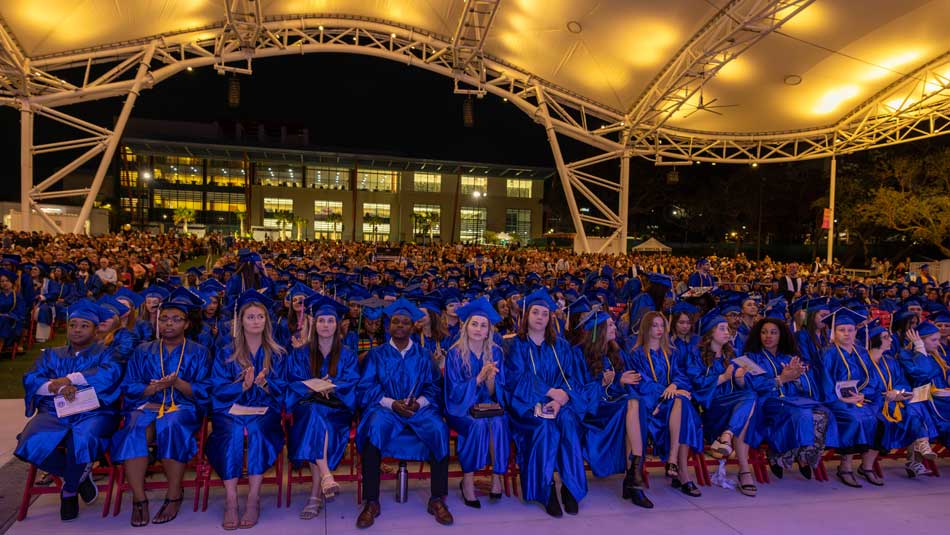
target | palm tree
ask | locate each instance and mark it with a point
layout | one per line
(336, 219)
(300, 222)
(425, 222)
(183, 216)
(373, 220)
(283, 217)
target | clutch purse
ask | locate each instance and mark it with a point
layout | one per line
(486, 410)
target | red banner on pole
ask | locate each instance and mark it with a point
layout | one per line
(826, 219)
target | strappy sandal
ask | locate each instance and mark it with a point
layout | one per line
(721, 449)
(747, 490)
(248, 523)
(165, 504)
(312, 509)
(230, 522)
(672, 470)
(871, 476)
(847, 477)
(690, 489)
(329, 488)
(140, 516)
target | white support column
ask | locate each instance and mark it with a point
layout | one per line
(26, 163)
(563, 172)
(831, 212)
(114, 140)
(624, 203)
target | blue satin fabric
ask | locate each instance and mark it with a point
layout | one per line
(265, 435)
(313, 422)
(726, 406)
(784, 417)
(174, 431)
(916, 420)
(12, 316)
(920, 369)
(655, 380)
(86, 434)
(857, 426)
(640, 305)
(545, 445)
(810, 351)
(144, 330)
(605, 424)
(421, 437)
(123, 344)
(477, 437)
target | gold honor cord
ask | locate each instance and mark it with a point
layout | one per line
(161, 359)
(844, 361)
(556, 359)
(896, 416)
(781, 394)
(653, 370)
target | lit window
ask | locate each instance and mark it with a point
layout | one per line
(519, 189)
(427, 182)
(425, 222)
(472, 227)
(471, 184)
(272, 206)
(518, 224)
(328, 220)
(376, 219)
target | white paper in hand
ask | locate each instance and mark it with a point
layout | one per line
(846, 389)
(86, 400)
(319, 385)
(242, 410)
(749, 365)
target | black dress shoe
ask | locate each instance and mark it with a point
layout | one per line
(368, 516)
(777, 470)
(88, 490)
(68, 508)
(494, 496)
(441, 513)
(570, 503)
(471, 503)
(553, 506)
(805, 471)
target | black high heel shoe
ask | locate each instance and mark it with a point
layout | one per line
(475, 504)
(633, 483)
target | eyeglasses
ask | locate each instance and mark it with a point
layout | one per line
(171, 319)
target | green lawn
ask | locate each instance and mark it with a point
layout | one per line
(11, 371)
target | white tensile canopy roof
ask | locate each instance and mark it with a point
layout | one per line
(673, 81)
(652, 245)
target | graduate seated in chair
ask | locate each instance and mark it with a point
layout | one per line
(475, 399)
(13, 309)
(321, 426)
(67, 446)
(164, 391)
(246, 399)
(400, 392)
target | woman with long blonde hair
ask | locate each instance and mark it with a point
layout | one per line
(674, 423)
(248, 379)
(474, 385)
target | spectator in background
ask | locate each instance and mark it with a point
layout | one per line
(105, 273)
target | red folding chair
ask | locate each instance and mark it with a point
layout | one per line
(31, 489)
(348, 463)
(277, 479)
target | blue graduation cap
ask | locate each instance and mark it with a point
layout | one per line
(11, 258)
(194, 271)
(211, 285)
(683, 306)
(843, 316)
(479, 307)
(321, 305)
(450, 295)
(84, 309)
(402, 307)
(709, 321)
(579, 305)
(941, 317)
(155, 290)
(124, 293)
(300, 289)
(11, 276)
(594, 319)
(182, 299)
(252, 296)
(112, 306)
(539, 297)
(927, 328)
(174, 281)
(660, 279)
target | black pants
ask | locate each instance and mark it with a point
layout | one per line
(371, 459)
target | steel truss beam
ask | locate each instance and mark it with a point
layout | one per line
(469, 39)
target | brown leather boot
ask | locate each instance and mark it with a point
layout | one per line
(368, 515)
(441, 513)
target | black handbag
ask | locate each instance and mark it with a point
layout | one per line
(332, 401)
(486, 410)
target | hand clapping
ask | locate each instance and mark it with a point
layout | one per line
(631, 377)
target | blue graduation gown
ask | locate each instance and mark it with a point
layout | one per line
(545, 445)
(477, 437)
(86, 434)
(659, 371)
(315, 421)
(144, 330)
(640, 305)
(605, 423)
(919, 369)
(265, 435)
(810, 351)
(175, 430)
(697, 279)
(54, 296)
(857, 426)
(12, 316)
(726, 406)
(784, 417)
(913, 420)
(123, 344)
(421, 437)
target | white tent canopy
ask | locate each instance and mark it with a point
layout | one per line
(652, 245)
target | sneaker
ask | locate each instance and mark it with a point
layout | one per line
(68, 508)
(922, 446)
(88, 490)
(916, 469)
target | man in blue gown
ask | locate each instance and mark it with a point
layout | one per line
(399, 391)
